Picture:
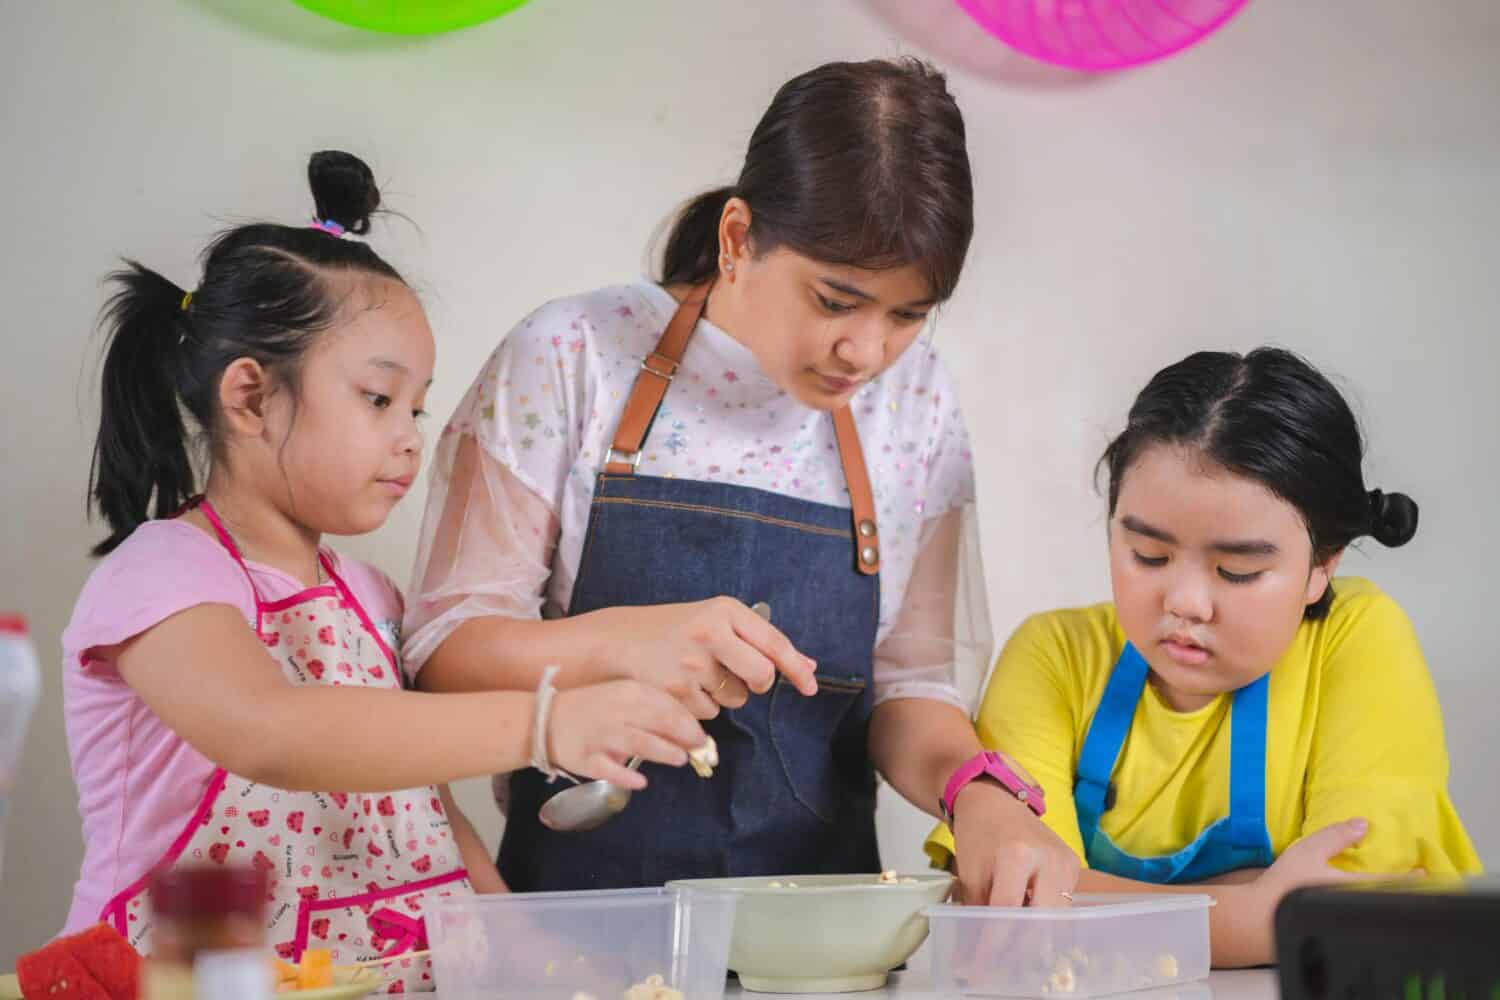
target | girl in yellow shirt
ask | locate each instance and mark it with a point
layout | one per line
(1237, 720)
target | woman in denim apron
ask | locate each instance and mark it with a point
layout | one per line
(637, 465)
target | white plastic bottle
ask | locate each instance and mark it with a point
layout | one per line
(20, 687)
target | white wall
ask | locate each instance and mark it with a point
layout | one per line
(1320, 175)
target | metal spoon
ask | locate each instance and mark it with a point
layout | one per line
(584, 807)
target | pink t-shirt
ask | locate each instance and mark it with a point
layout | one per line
(138, 781)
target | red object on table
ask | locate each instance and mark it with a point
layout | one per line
(97, 964)
(109, 959)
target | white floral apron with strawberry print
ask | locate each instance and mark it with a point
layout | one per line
(349, 873)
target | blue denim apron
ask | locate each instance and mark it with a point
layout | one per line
(794, 792)
(1236, 841)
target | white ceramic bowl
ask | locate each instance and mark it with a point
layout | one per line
(824, 933)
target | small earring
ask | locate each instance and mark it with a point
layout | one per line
(728, 264)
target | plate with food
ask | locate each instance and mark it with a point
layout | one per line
(100, 963)
(317, 978)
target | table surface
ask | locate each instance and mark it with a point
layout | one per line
(1249, 984)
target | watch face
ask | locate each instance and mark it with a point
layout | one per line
(1017, 769)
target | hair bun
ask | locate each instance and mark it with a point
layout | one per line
(1393, 518)
(343, 190)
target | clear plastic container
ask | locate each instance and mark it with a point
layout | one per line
(600, 944)
(1104, 944)
(20, 688)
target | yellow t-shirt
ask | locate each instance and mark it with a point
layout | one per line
(1353, 729)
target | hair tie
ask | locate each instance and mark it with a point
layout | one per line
(187, 300)
(1376, 501)
(328, 226)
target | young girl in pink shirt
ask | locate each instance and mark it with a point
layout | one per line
(232, 689)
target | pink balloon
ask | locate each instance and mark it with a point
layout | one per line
(1097, 35)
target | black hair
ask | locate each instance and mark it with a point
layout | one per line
(1271, 417)
(265, 294)
(863, 164)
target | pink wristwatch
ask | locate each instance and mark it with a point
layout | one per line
(1003, 768)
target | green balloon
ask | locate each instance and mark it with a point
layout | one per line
(411, 17)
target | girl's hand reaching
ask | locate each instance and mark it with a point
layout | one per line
(595, 729)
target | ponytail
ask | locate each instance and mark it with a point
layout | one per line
(692, 251)
(1393, 518)
(141, 451)
(264, 295)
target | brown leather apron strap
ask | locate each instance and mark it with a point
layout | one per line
(861, 497)
(650, 389)
(651, 384)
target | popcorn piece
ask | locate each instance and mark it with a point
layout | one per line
(551, 969)
(775, 885)
(1063, 980)
(652, 988)
(889, 877)
(705, 758)
(791, 885)
(1165, 966)
(580, 995)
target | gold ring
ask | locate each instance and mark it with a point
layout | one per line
(722, 685)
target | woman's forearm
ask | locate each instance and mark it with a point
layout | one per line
(493, 652)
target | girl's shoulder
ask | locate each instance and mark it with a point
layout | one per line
(162, 552)
(597, 319)
(1355, 597)
(1363, 621)
(163, 567)
(1079, 638)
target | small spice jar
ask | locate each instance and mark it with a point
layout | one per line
(208, 934)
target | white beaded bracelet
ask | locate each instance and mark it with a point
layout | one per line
(540, 726)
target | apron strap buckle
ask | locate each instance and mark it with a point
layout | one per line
(667, 366)
(619, 463)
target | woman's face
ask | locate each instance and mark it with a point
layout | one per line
(820, 331)
(1211, 573)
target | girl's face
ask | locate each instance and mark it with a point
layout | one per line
(1211, 573)
(350, 446)
(820, 331)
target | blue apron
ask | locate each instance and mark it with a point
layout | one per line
(1239, 840)
(794, 792)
